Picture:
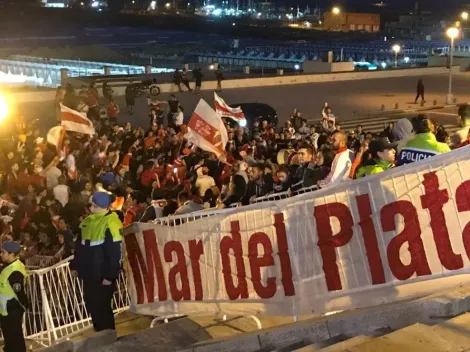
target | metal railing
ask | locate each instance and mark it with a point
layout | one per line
(56, 307)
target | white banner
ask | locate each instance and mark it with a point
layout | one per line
(395, 235)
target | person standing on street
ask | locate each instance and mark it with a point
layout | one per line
(198, 78)
(219, 77)
(185, 79)
(13, 299)
(97, 260)
(420, 91)
(130, 94)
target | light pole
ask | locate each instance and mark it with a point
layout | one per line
(396, 49)
(336, 11)
(452, 33)
(464, 16)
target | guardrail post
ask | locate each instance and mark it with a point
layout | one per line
(148, 69)
(47, 312)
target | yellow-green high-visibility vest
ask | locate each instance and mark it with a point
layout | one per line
(94, 228)
(6, 291)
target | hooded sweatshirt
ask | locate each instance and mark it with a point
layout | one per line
(402, 133)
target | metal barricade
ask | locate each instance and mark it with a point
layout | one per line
(181, 219)
(57, 309)
(272, 197)
(305, 190)
(40, 261)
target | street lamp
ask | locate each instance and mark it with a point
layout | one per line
(452, 33)
(396, 49)
(167, 5)
(464, 15)
(335, 10)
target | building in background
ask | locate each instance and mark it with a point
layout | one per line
(55, 3)
(421, 26)
(351, 21)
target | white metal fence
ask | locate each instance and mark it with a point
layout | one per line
(57, 309)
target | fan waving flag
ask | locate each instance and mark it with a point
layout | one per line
(224, 110)
(74, 121)
(55, 136)
(207, 130)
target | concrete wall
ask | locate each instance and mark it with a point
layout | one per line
(119, 88)
(463, 62)
(327, 67)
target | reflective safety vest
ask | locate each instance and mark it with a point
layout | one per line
(423, 146)
(94, 228)
(6, 291)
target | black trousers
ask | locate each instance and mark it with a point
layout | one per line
(98, 304)
(186, 83)
(418, 95)
(13, 331)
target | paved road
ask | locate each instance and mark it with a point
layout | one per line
(351, 100)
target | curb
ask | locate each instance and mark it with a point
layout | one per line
(404, 111)
(395, 112)
(428, 310)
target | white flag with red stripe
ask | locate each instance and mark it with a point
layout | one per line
(55, 136)
(223, 110)
(207, 130)
(75, 121)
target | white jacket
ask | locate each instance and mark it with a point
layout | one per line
(339, 169)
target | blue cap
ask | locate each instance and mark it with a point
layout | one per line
(101, 199)
(11, 247)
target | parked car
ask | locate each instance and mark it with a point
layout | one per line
(256, 112)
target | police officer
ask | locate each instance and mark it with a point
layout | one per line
(13, 300)
(382, 158)
(97, 260)
(424, 145)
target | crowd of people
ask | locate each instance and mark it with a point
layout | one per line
(154, 172)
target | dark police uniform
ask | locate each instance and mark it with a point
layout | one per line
(98, 257)
(13, 303)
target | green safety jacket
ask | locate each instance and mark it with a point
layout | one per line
(372, 167)
(7, 292)
(423, 146)
(98, 247)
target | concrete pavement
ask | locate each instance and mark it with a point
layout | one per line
(351, 100)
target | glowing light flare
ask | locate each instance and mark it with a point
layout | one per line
(242, 123)
(396, 48)
(336, 10)
(4, 108)
(453, 32)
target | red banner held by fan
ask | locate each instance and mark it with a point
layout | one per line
(207, 130)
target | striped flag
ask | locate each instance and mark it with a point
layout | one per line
(75, 121)
(207, 130)
(55, 136)
(223, 110)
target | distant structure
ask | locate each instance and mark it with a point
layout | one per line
(351, 21)
(421, 26)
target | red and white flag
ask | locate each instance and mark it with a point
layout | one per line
(223, 110)
(55, 136)
(75, 121)
(207, 130)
